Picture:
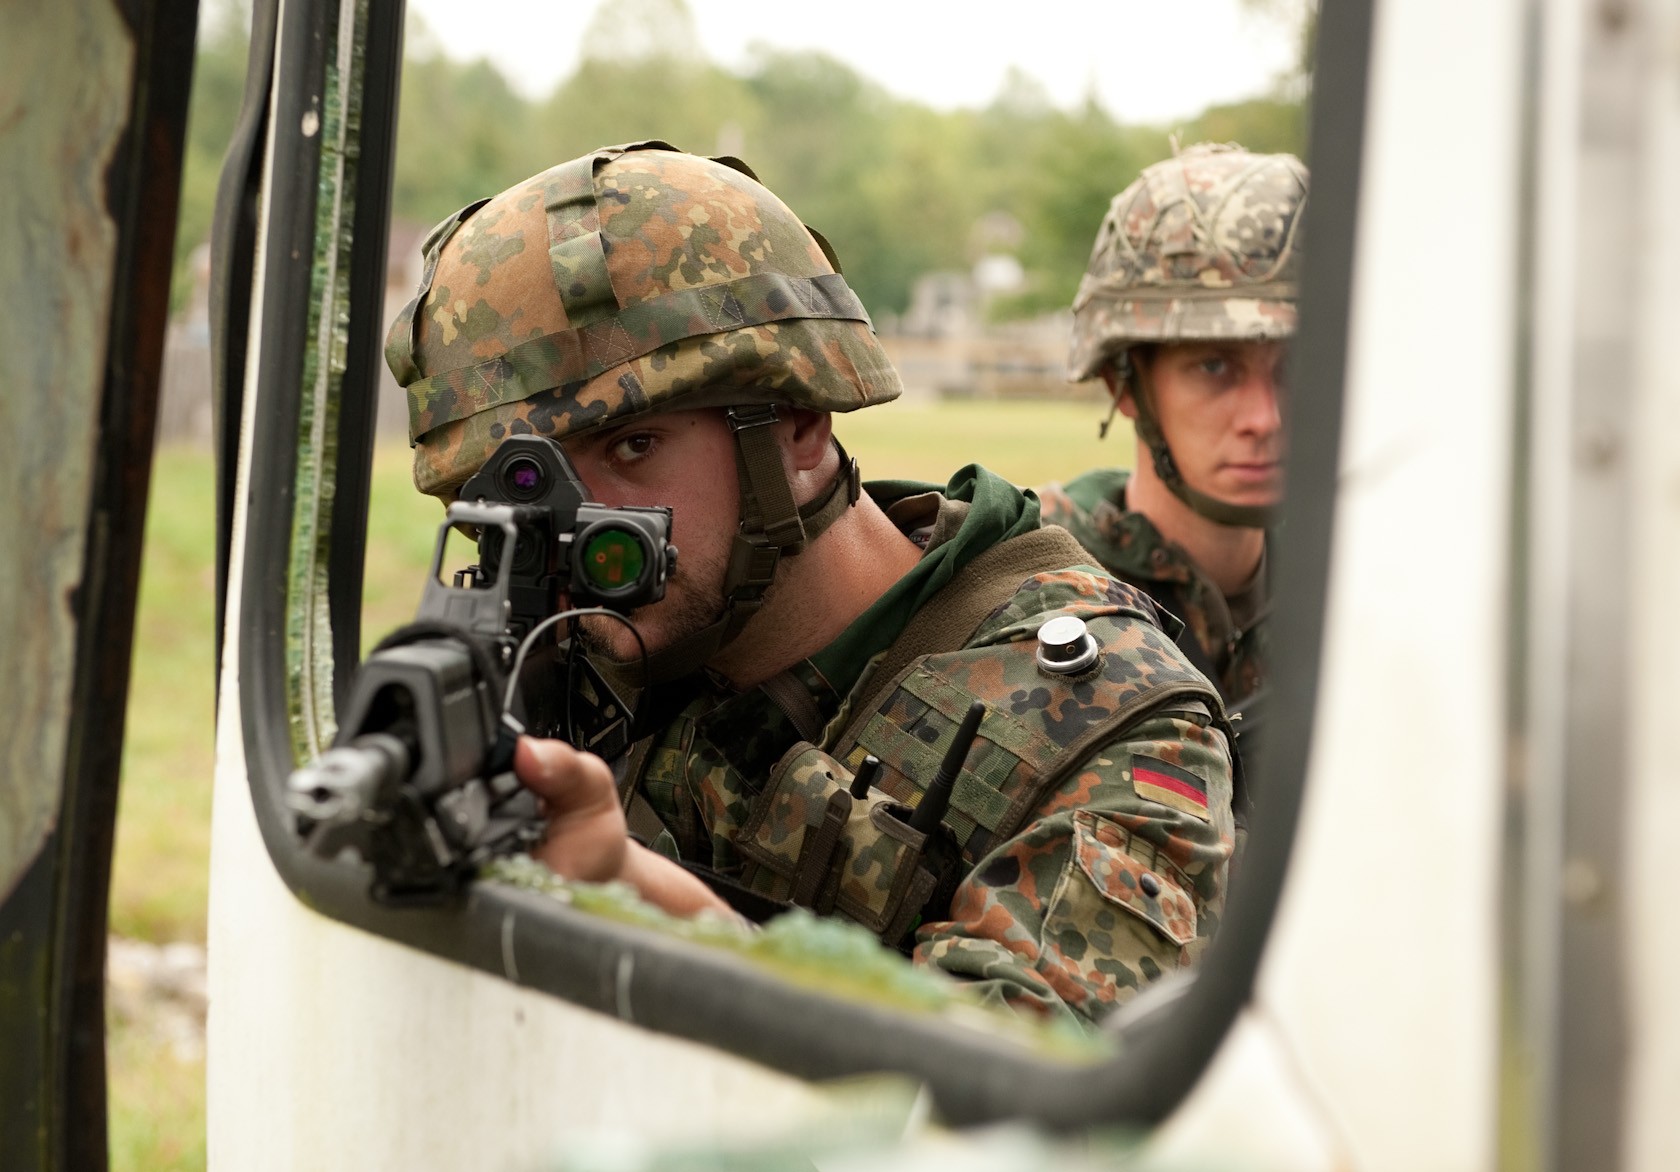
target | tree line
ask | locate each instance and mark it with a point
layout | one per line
(898, 188)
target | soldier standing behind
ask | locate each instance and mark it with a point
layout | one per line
(1184, 312)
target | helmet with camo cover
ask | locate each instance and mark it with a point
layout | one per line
(633, 280)
(1200, 247)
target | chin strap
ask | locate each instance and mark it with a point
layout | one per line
(771, 526)
(1148, 430)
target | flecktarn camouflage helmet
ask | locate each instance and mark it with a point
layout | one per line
(1200, 247)
(633, 280)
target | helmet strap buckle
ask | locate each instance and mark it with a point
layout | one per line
(767, 505)
(1108, 422)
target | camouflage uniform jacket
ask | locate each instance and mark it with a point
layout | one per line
(1225, 638)
(1071, 895)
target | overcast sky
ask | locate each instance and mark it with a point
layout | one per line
(1149, 61)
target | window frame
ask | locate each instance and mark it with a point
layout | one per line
(654, 980)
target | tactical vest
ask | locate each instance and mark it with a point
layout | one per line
(809, 841)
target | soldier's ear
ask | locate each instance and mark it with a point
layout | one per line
(809, 435)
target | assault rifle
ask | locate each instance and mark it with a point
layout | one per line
(419, 782)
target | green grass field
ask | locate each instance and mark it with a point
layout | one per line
(161, 879)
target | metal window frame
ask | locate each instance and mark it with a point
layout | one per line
(683, 989)
(54, 921)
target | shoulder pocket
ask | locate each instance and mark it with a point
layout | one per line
(1154, 892)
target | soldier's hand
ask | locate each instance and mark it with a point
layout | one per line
(587, 835)
(588, 838)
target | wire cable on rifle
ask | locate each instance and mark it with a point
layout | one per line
(530, 639)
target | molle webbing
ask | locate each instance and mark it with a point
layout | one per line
(993, 796)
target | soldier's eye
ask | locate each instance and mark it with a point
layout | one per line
(632, 447)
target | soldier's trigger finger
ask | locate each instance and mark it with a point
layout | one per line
(564, 777)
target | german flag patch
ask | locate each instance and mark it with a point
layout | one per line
(1156, 781)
